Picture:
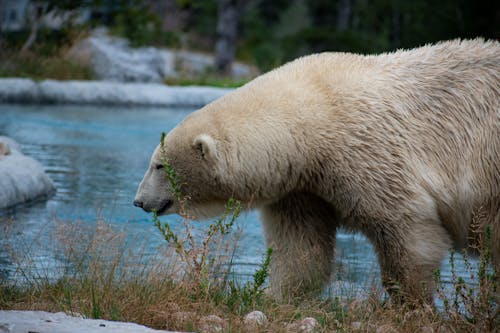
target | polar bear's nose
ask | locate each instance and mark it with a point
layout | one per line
(138, 203)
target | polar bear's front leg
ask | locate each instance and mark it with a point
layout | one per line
(301, 231)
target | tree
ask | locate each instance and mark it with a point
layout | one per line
(343, 14)
(227, 33)
(37, 10)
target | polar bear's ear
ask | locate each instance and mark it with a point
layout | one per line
(207, 147)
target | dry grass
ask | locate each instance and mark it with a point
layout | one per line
(102, 277)
(40, 67)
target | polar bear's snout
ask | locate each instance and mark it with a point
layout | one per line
(161, 207)
(152, 194)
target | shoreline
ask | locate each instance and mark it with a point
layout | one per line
(28, 91)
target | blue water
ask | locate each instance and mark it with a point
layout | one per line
(96, 157)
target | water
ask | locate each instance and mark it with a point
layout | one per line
(97, 157)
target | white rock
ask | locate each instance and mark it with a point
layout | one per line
(308, 325)
(4, 149)
(195, 64)
(21, 177)
(46, 322)
(386, 329)
(11, 143)
(255, 319)
(6, 328)
(183, 317)
(112, 59)
(356, 325)
(212, 324)
(18, 90)
(107, 93)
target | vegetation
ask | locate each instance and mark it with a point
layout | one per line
(105, 278)
(207, 80)
(43, 60)
(273, 32)
(30, 65)
(261, 30)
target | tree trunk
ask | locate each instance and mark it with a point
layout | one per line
(396, 29)
(227, 33)
(35, 13)
(343, 14)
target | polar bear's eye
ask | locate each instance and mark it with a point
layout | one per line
(159, 166)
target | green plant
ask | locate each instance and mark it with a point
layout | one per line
(207, 80)
(477, 301)
(260, 276)
(197, 257)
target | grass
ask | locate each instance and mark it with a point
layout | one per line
(40, 67)
(190, 278)
(55, 66)
(102, 277)
(207, 80)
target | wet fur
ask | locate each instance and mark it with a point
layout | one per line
(403, 147)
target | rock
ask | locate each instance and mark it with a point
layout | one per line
(386, 329)
(306, 325)
(106, 93)
(356, 325)
(196, 64)
(426, 329)
(46, 322)
(4, 149)
(22, 178)
(18, 90)
(212, 324)
(255, 319)
(10, 143)
(112, 59)
(6, 328)
(181, 318)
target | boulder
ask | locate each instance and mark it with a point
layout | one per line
(22, 178)
(253, 320)
(46, 322)
(112, 59)
(18, 90)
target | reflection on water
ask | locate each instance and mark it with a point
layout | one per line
(96, 157)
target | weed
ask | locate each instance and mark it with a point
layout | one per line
(207, 80)
(476, 302)
(198, 258)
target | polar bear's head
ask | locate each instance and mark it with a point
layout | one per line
(184, 170)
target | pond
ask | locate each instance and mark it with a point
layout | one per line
(97, 156)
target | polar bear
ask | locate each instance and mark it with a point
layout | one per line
(403, 147)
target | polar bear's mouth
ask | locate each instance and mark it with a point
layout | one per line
(166, 206)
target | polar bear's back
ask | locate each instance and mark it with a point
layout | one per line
(431, 112)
